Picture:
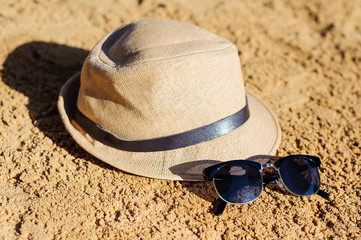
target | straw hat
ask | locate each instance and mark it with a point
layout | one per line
(165, 99)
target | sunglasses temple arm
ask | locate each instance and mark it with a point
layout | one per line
(220, 206)
(270, 179)
(323, 194)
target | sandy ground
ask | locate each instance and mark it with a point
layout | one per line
(303, 59)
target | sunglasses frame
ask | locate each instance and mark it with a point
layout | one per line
(209, 174)
(218, 166)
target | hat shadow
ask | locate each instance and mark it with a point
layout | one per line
(38, 70)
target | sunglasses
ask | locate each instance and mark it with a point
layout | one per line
(241, 181)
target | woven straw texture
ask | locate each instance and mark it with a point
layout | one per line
(156, 78)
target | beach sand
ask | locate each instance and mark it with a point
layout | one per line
(303, 59)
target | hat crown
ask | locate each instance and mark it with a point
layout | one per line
(155, 78)
(153, 39)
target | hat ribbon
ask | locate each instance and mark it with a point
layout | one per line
(180, 140)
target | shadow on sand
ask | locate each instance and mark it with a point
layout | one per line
(38, 70)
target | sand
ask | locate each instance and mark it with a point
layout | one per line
(303, 59)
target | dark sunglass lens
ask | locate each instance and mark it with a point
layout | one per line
(238, 183)
(300, 176)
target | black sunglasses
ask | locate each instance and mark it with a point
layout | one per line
(241, 181)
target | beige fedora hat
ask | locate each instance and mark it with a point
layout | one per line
(165, 99)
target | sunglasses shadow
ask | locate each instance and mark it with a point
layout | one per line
(38, 70)
(205, 189)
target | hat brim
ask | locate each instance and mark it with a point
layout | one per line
(258, 139)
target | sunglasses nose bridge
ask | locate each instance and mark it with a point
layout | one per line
(270, 165)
